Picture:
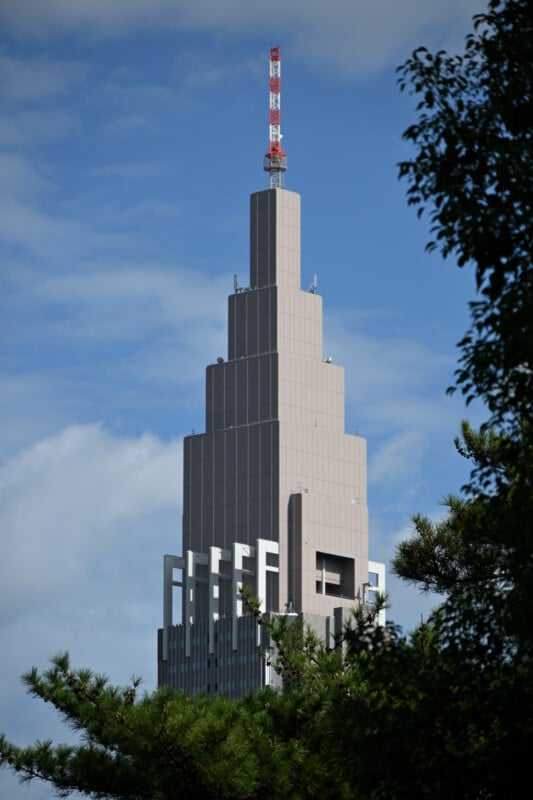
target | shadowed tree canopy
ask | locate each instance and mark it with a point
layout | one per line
(473, 172)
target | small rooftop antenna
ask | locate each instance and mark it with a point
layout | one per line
(275, 159)
(314, 285)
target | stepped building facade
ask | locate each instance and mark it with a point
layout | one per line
(274, 491)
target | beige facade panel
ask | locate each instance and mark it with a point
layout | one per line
(310, 392)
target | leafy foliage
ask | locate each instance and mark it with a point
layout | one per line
(474, 170)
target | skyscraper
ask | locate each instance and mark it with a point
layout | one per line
(274, 491)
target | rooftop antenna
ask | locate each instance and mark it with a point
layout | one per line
(275, 159)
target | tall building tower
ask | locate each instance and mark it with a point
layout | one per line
(274, 491)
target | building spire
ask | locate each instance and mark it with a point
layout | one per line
(275, 159)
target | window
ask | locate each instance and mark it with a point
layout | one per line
(335, 575)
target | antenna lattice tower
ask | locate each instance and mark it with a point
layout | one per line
(275, 159)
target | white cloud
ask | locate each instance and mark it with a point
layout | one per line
(31, 126)
(154, 295)
(39, 80)
(44, 235)
(19, 178)
(73, 505)
(393, 383)
(399, 459)
(352, 35)
(33, 94)
(109, 303)
(379, 365)
(136, 171)
(22, 420)
(86, 517)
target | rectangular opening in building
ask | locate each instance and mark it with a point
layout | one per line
(335, 575)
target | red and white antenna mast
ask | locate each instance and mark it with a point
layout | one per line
(276, 159)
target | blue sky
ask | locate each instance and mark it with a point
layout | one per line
(132, 134)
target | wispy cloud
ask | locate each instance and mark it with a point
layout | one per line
(130, 170)
(28, 127)
(38, 80)
(35, 95)
(399, 459)
(105, 340)
(114, 302)
(80, 514)
(19, 178)
(85, 518)
(352, 36)
(50, 236)
(393, 382)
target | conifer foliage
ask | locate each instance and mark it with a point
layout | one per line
(153, 746)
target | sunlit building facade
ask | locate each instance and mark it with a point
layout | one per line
(274, 491)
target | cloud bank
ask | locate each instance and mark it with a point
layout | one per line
(85, 518)
(350, 35)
